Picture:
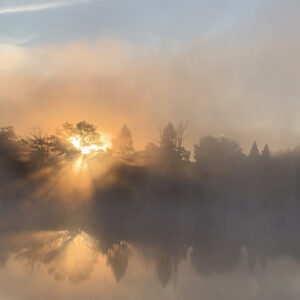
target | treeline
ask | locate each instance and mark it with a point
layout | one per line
(213, 157)
(38, 149)
(158, 199)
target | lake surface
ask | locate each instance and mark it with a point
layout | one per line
(75, 265)
(113, 230)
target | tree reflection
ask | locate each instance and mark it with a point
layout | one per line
(155, 201)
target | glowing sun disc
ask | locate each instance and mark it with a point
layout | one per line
(86, 149)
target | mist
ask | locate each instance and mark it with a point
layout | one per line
(149, 150)
(241, 83)
(62, 207)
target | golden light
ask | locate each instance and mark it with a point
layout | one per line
(75, 141)
(85, 150)
(76, 259)
(74, 180)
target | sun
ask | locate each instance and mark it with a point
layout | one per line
(75, 141)
(88, 149)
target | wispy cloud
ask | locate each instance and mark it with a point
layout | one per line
(7, 40)
(40, 6)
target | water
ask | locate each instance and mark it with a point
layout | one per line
(75, 265)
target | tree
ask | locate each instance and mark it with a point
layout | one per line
(168, 138)
(266, 154)
(211, 149)
(12, 162)
(206, 148)
(171, 141)
(180, 133)
(122, 146)
(9, 144)
(40, 145)
(86, 132)
(151, 148)
(180, 136)
(7, 133)
(254, 152)
(82, 136)
(184, 154)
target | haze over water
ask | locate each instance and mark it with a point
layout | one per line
(149, 149)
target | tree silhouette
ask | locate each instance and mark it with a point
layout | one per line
(40, 145)
(150, 154)
(171, 141)
(9, 146)
(86, 132)
(117, 257)
(122, 146)
(180, 136)
(180, 133)
(211, 149)
(13, 162)
(254, 152)
(7, 133)
(266, 154)
(222, 201)
(168, 138)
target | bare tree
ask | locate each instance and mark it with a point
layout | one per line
(180, 133)
(40, 144)
(171, 141)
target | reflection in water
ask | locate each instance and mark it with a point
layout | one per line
(67, 256)
(74, 256)
(76, 259)
(142, 222)
(117, 258)
(84, 262)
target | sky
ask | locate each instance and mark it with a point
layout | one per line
(227, 67)
(135, 21)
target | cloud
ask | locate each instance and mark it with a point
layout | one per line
(244, 86)
(233, 90)
(40, 6)
(13, 41)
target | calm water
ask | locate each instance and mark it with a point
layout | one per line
(136, 232)
(74, 265)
